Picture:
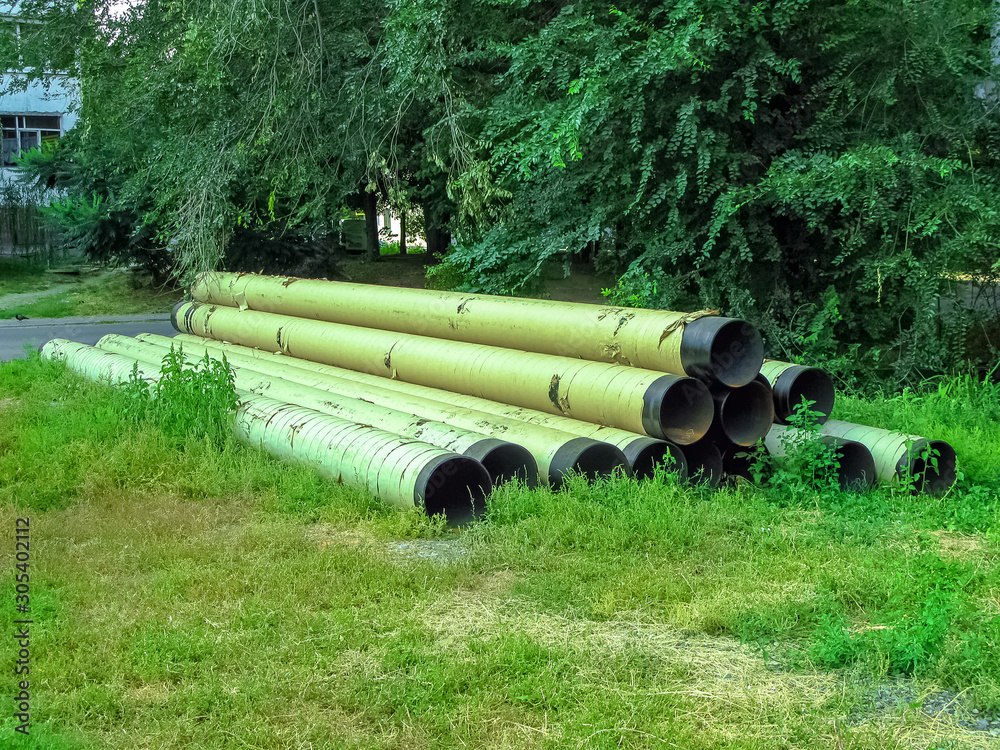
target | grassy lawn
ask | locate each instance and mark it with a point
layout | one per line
(18, 275)
(108, 293)
(198, 594)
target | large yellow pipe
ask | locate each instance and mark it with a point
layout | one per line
(555, 452)
(643, 453)
(403, 472)
(673, 407)
(925, 465)
(503, 459)
(698, 344)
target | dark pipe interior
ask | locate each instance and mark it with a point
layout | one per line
(797, 383)
(745, 414)
(737, 460)
(586, 456)
(683, 409)
(934, 473)
(644, 456)
(506, 462)
(600, 459)
(856, 466)
(173, 316)
(704, 462)
(456, 486)
(724, 350)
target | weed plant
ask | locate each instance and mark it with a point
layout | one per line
(188, 401)
(809, 464)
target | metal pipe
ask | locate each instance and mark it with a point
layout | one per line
(642, 453)
(503, 460)
(793, 383)
(855, 463)
(925, 465)
(672, 407)
(699, 344)
(556, 452)
(401, 471)
(742, 415)
(704, 462)
(737, 460)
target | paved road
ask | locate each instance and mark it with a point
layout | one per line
(15, 334)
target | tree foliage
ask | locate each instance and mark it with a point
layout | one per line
(819, 166)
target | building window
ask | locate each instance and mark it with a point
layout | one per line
(23, 132)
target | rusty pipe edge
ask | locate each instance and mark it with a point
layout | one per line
(722, 350)
(742, 415)
(793, 383)
(704, 462)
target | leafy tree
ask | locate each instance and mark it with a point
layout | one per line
(807, 164)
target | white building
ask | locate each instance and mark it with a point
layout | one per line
(32, 114)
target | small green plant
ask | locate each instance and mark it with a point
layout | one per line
(810, 464)
(633, 290)
(188, 400)
(389, 248)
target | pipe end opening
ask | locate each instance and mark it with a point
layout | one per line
(737, 460)
(505, 462)
(646, 456)
(724, 350)
(586, 456)
(704, 462)
(745, 414)
(174, 319)
(456, 486)
(856, 471)
(678, 409)
(798, 383)
(932, 468)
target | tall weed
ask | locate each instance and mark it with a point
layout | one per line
(188, 400)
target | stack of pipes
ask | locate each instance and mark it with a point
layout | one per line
(430, 398)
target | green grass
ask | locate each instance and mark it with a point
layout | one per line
(197, 593)
(114, 294)
(392, 248)
(19, 275)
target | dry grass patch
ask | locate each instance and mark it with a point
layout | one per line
(729, 693)
(961, 546)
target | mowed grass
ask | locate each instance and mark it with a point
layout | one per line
(118, 293)
(196, 594)
(19, 275)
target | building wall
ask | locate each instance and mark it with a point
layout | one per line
(59, 96)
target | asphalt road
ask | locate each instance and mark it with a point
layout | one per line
(15, 334)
